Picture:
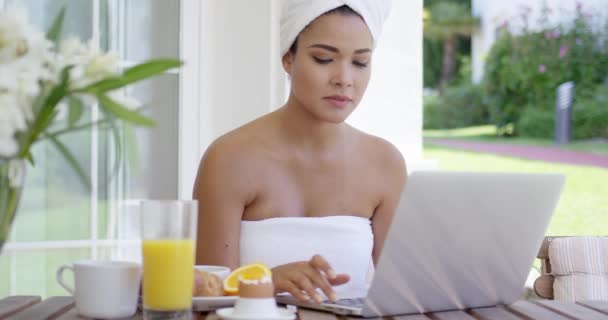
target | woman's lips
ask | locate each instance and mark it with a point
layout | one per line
(338, 101)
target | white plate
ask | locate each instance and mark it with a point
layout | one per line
(219, 271)
(212, 303)
(284, 314)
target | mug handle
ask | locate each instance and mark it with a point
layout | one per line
(60, 280)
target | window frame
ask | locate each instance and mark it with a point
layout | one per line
(189, 137)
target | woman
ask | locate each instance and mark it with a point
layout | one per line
(299, 189)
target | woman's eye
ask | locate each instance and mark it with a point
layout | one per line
(322, 61)
(360, 64)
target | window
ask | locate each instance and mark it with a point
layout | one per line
(59, 220)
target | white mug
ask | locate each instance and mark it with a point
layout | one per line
(104, 289)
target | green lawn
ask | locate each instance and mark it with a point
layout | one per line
(34, 271)
(583, 207)
(488, 134)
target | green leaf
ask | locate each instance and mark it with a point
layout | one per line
(131, 149)
(132, 75)
(83, 126)
(56, 94)
(151, 67)
(76, 109)
(30, 158)
(123, 113)
(40, 99)
(4, 189)
(72, 161)
(47, 112)
(55, 30)
(117, 148)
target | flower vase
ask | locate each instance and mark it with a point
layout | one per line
(11, 186)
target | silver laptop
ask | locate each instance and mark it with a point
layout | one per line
(458, 240)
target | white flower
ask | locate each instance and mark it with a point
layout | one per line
(73, 51)
(23, 50)
(88, 63)
(13, 34)
(25, 54)
(102, 65)
(8, 144)
(12, 119)
(29, 63)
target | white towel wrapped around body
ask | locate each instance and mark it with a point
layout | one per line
(297, 14)
(345, 241)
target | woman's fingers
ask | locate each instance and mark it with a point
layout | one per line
(339, 279)
(321, 264)
(304, 282)
(328, 279)
(295, 291)
(319, 280)
(303, 279)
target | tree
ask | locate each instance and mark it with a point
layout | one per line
(446, 21)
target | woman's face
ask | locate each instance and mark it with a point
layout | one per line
(331, 68)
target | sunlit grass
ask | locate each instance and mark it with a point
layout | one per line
(476, 131)
(487, 133)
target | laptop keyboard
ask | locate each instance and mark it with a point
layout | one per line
(351, 302)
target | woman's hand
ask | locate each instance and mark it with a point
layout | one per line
(301, 279)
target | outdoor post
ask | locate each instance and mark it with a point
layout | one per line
(563, 112)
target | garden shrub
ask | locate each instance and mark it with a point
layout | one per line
(459, 106)
(523, 71)
(590, 116)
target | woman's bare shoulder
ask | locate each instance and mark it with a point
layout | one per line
(234, 161)
(380, 151)
(242, 146)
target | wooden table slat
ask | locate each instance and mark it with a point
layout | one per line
(411, 317)
(304, 314)
(452, 315)
(315, 315)
(494, 313)
(572, 310)
(72, 314)
(359, 318)
(211, 316)
(534, 311)
(14, 304)
(47, 309)
(600, 306)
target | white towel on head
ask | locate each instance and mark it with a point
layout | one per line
(297, 14)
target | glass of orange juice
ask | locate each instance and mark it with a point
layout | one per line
(168, 249)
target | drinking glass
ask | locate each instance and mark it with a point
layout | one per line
(168, 249)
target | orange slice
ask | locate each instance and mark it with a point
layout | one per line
(254, 271)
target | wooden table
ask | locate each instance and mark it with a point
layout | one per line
(62, 308)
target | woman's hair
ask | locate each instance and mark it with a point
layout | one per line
(343, 10)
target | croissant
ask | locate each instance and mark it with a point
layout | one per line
(207, 284)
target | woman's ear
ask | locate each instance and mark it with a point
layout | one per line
(288, 62)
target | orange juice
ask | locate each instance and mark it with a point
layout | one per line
(168, 274)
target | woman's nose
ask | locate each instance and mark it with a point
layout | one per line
(342, 77)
